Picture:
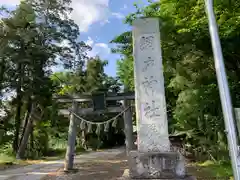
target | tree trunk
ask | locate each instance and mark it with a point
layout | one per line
(2, 70)
(23, 145)
(32, 141)
(18, 109)
(29, 106)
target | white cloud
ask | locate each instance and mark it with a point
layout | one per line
(100, 49)
(104, 22)
(89, 41)
(124, 7)
(103, 46)
(9, 2)
(85, 12)
(118, 15)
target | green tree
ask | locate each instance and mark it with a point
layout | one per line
(125, 70)
(189, 72)
(34, 34)
(88, 79)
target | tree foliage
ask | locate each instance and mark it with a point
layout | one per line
(35, 37)
(191, 87)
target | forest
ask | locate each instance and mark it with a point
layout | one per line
(37, 36)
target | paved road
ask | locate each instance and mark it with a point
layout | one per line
(39, 171)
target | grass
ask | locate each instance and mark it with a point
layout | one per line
(57, 154)
(9, 161)
(210, 169)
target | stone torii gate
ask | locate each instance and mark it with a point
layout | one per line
(99, 107)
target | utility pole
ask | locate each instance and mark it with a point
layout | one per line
(224, 90)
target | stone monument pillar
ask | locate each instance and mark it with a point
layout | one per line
(153, 159)
(149, 87)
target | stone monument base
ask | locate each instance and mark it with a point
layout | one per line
(127, 177)
(156, 165)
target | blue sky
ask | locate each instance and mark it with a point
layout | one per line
(99, 21)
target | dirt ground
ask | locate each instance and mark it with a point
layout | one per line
(105, 168)
(99, 169)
